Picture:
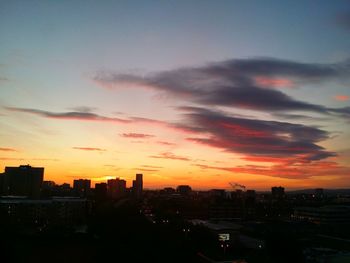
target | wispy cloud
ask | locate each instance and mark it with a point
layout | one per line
(146, 169)
(169, 155)
(28, 159)
(136, 135)
(341, 97)
(7, 149)
(71, 115)
(89, 149)
(151, 166)
(323, 168)
(166, 143)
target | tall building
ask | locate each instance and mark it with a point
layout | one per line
(23, 181)
(116, 188)
(100, 191)
(137, 185)
(184, 189)
(277, 192)
(82, 187)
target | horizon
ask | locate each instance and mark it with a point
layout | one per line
(192, 93)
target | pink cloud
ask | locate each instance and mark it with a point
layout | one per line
(341, 97)
(169, 155)
(136, 135)
(274, 82)
(89, 149)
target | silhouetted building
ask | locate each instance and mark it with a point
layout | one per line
(116, 188)
(217, 193)
(323, 215)
(168, 191)
(137, 186)
(82, 187)
(319, 193)
(23, 181)
(277, 192)
(184, 189)
(100, 191)
(250, 197)
(45, 212)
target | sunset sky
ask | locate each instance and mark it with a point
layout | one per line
(186, 92)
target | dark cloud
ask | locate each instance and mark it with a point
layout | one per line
(89, 149)
(83, 109)
(72, 115)
(85, 115)
(255, 137)
(136, 135)
(169, 155)
(287, 116)
(235, 83)
(343, 20)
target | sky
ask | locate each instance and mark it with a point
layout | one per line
(186, 92)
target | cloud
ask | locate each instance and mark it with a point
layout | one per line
(253, 137)
(83, 109)
(341, 97)
(136, 135)
(240, 83)
(343, 20)
(28, 159)
(323, 168)
(86, 115)
(71, 115)
(89, 149)
(288, 116)
(151, 166)
(169, 155)
(166, 143)
(146, 169)
(7, 149)
(273, 82)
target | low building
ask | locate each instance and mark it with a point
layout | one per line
(323, 215)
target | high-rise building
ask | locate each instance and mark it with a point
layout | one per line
(23, 181)
(82, 187)
(137, 185)
(184, 189)
(116, 188)
(100, 191)
(277, 192)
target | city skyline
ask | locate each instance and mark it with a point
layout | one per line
(201, 94)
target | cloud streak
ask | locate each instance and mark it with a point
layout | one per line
(341, 97)
(304, 171)
(240, 83)
(89, 149)
(136, 135)
(7, 149)
(71, 115)
(171, 156)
